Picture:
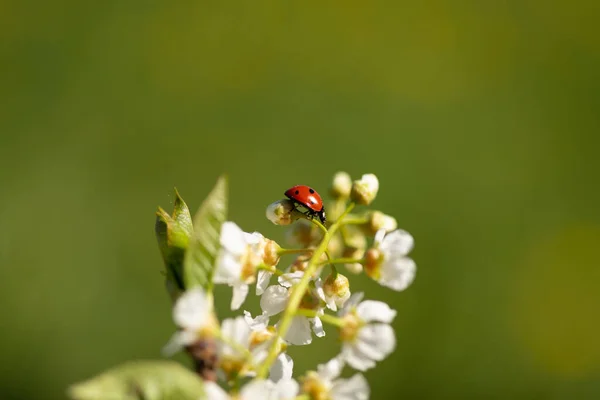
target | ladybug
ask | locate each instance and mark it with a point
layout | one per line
(308, 198)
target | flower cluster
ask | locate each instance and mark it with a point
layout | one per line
(299, 299)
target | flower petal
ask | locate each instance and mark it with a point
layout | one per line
(355, 358)
(213, 391)
(376, 340)
(260, 352)
(331, 370)
(355, 388)
(290, 279)
(397, 243)
(257, 390)
(372, 310)
(317, 326)
(262, 282)
(253, 238)
(351, 303)
(179, 340)
(259, 323)
(299, 332)
(282, 368)
(274, 300)
(228, 269)
(286, 389)
(398, 273)
(379, 236)
(233, 238)
(234, 330)
(192, 309)
(240, 291)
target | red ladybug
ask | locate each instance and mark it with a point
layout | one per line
(308, 198)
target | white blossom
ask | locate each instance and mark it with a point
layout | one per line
(325, 384)
(275, 299)
(257, 389)
(386, 261)
(261, 338)
(366, 335)
(235, 337)
(193, 315)
(238, 258)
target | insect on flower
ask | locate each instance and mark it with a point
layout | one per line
(308, 198)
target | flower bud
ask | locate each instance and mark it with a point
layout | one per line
(378, 220)
(280, 212)
(173, 234)
(373, 259)
(300, 263)
(271, 252)
(341, 186)
(365, 190)
(356, 253)
(337, 287)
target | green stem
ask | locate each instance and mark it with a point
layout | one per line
(333, 270)
(293, 251)
(298, 292)
(306, 313)
(319, 224)
(347, 260)
(270, 269)
(356, 221)
(330, 319)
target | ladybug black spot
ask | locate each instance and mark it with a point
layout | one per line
(297, 192)
(311, 191)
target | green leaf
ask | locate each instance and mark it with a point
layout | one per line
(141, 380)
(199, 263)
(173, 234)
(181, 214)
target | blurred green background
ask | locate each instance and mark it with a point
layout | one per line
(480, 119)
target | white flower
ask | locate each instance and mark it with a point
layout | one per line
(275, 299)
(238, 258)
(365, 190)
(255, 390)
(324, 385)
(235, 336)
(261, 339)
(366, 335)
(193, 314)
(386, 261)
